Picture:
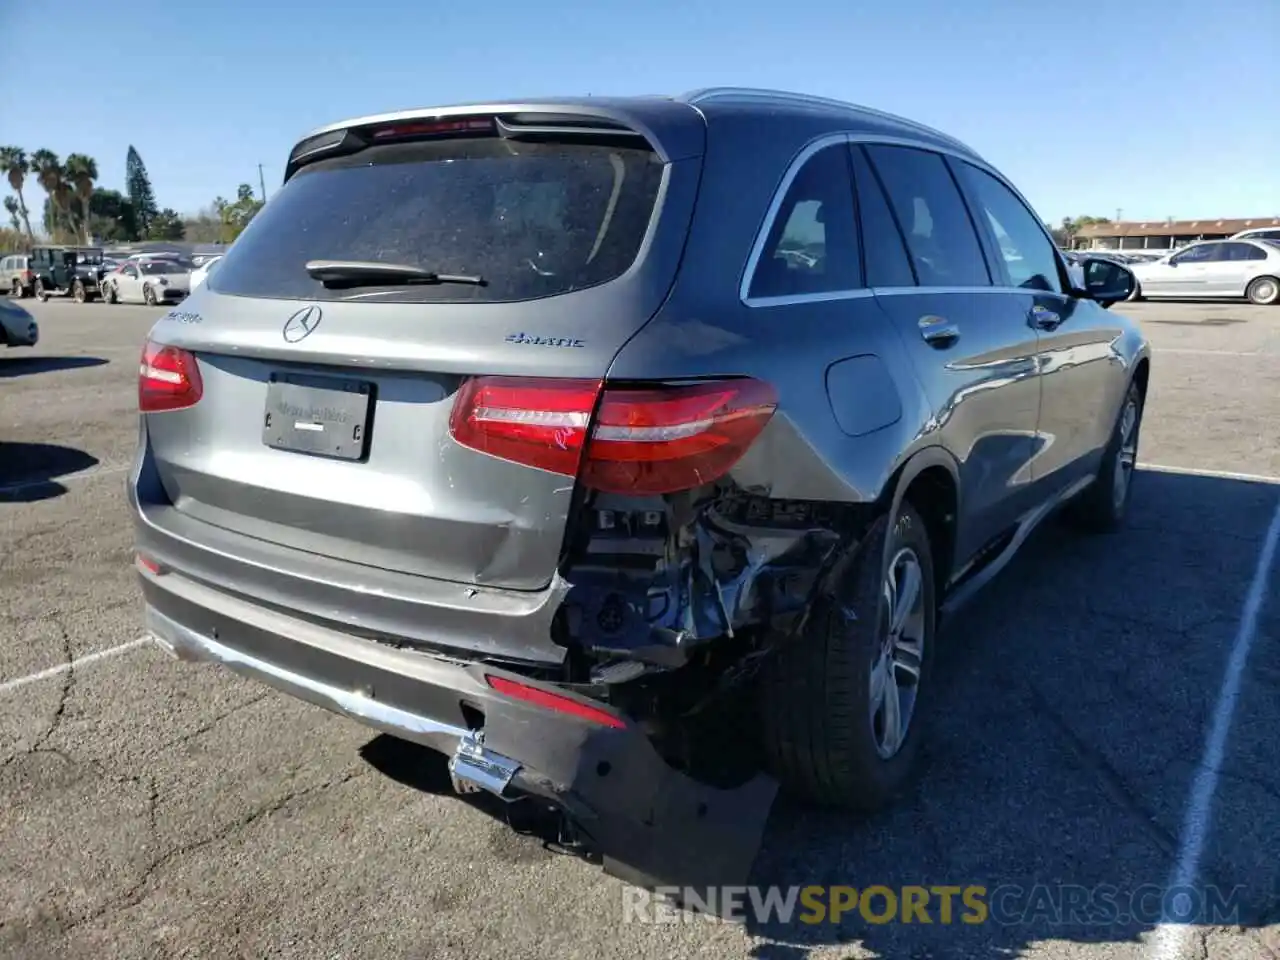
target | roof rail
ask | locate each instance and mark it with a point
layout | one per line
(765, 95)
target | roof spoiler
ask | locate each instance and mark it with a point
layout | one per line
(663, 125)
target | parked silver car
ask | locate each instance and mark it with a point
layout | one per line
(1214, 268)
(148, 281)
(18, 328)
(16, 277)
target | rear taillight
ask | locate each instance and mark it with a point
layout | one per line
(168, 379)
(641, 440)
(29, 276)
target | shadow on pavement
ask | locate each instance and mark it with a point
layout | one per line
(25, 366)
(1072, 701)
(29, 471)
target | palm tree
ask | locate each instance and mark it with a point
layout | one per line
(81, 172)
(13, 160)
(51, 176)
(11, 208)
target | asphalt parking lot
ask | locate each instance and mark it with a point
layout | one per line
(152, 809)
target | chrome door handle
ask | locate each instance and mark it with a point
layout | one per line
(937, 331)
(1042, 318)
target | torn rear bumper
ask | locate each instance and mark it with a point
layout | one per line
(651, 824)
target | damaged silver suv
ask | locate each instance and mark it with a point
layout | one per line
(552, 434)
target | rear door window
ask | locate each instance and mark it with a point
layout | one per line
(944, 246)
(812, 246)
(532, 219)
(884, 253)
(1243, 251)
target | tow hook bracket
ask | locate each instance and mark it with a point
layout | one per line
(473, 768)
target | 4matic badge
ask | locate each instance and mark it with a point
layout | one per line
(536, 341)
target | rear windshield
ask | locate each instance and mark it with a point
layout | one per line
(533, 219)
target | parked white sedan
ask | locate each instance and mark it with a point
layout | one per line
(1214, 268)
(148, 281)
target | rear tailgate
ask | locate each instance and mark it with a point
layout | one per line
(323, 415)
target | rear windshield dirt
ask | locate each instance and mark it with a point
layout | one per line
(533, 219)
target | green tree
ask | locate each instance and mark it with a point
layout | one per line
(11, 208)
(80, 173)
(59, 220)
(13, 160)
(166, 225)
(138, 186)
(1071, 227)
(236, 214)
(111, 216)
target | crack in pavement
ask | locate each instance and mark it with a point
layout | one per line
(64, 694)
(213, 721)
(137, 891)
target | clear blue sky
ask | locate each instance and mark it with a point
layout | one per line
(1159, 108)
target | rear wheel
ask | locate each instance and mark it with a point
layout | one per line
(1264, 291)
(40, 291)
(148, 296)
(16, 290)
(1102, 506)
(842, 704)
(109, 293)
(77, 291)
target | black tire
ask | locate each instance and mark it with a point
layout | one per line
(148, 296)
(78, 292)
(1102, 507)
(16, 290)
(109, 293)
(41, 293)
(1263, 291)
(818, 727)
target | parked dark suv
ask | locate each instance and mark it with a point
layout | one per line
(551, 434)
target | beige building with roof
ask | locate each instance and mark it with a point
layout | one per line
(1157, 235)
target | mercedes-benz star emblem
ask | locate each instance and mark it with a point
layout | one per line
(301, 324)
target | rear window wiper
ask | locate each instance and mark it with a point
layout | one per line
(340, 274)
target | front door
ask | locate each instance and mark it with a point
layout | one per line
(972, 349)
(1075, 356)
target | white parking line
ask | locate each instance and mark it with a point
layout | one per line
(88, 658)
(1222, 474)
(1171, 936)
(78, 475)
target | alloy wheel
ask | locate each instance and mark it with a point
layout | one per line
(1128, 454)
(895, 672)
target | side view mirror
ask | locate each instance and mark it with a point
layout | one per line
(1105, 281)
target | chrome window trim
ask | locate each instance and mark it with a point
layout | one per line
(780, 194)
(830, 139)
(792, 298)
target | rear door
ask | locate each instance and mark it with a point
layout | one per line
(1230, 272)
(325, 421)
(973, 351)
